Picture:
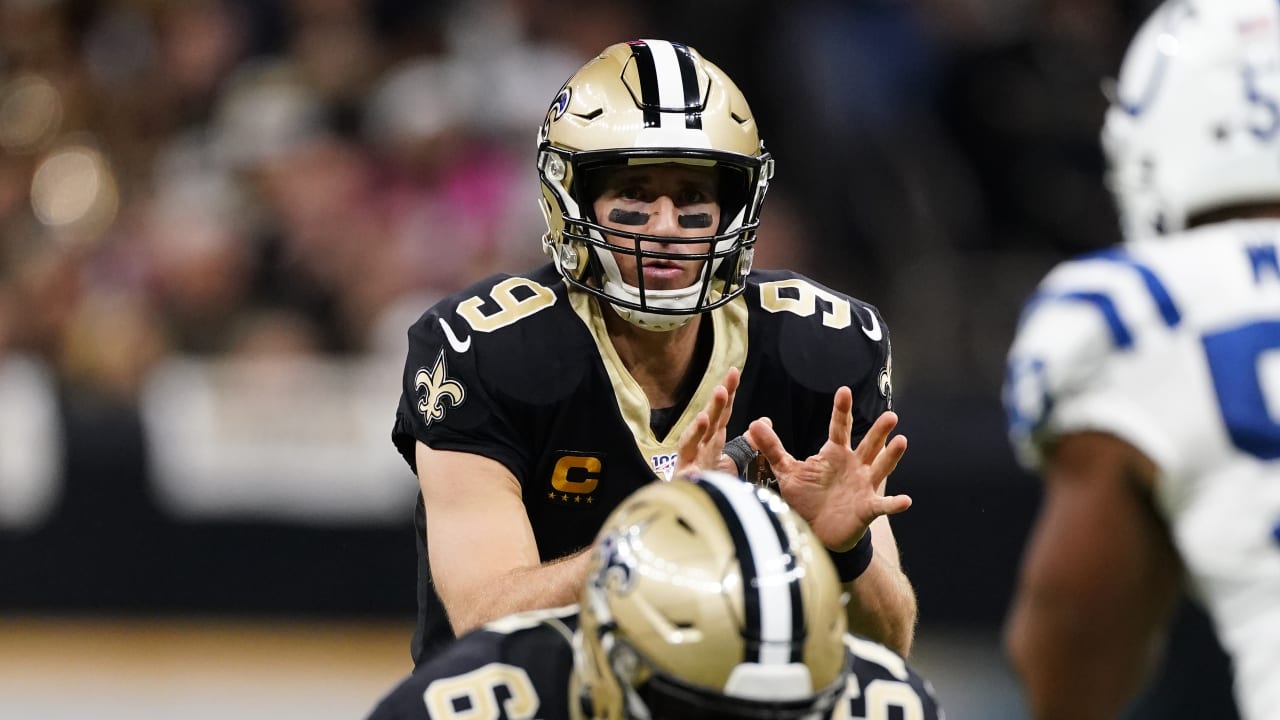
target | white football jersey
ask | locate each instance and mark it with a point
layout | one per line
(1174, 346)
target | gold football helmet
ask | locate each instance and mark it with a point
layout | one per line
(709, 598)
(650, 101)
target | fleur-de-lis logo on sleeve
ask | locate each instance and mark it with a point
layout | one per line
(438, 388)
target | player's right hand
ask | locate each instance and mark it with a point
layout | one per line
(702, 443)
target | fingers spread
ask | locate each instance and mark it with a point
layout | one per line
(719, 399)
(887, 461)
(841, 429)
(878, 435)
(731, 380)
(762, 437)
(691, 441)
(701, 444)
(894, 504)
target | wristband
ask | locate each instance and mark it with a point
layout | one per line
(853, 562)
(742, 454)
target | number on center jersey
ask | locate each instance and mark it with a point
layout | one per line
(475, 695)
(880, 696)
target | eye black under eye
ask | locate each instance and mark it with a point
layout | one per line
(628, 217)
(693, 221)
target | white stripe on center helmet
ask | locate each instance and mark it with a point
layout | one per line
(770, 560)
(670, 82)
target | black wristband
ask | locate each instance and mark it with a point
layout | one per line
(741, 452)
(853, 562)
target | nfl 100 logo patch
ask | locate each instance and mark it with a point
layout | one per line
(664, 465)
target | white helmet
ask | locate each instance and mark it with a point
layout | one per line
(1194, 122)
(649, 101)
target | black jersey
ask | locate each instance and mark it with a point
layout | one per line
(520, 667)
(520, 369)
(521, 662)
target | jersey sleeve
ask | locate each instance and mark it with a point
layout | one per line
(1077, 361)
(805, 341)
(446, 401)
(872, 391)
(840, 341)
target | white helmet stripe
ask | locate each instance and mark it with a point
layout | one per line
(772, 609)
(670, 82)
(670, 94)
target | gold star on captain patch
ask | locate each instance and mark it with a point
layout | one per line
(577, 498)
(565, 497)
(551, 496)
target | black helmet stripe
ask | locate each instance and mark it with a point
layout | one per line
(648, 82)
(773, 613)
(689, 76)
(668, 82)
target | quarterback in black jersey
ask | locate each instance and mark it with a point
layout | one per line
(533, 404)
(696, 554)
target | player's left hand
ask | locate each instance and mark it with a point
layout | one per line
(839, 491)
(702, 443)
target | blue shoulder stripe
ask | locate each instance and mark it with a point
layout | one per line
(1163, 300)
(1120, 333)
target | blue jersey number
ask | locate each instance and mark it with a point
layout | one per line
(1235, 360)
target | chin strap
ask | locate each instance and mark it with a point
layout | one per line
(653, 322)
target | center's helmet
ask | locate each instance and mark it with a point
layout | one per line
(650, 101)
(1194, 122)
(709, 598)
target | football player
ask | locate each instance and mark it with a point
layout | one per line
(533, 404)
(1144, 383)
(706, 598)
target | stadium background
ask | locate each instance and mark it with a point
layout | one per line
(218, 217)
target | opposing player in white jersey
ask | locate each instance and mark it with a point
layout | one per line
(1144, 383)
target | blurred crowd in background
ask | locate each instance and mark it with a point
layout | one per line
(246, 177)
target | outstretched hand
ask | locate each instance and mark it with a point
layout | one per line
(702, 443)
(839, 491)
